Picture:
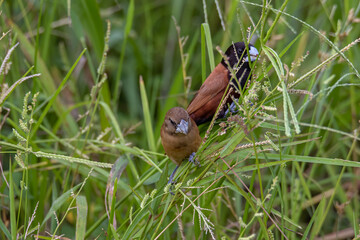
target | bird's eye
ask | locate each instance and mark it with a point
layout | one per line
(172, 122)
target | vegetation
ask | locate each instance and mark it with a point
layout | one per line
(85, 86)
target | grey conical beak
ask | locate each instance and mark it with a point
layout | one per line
(182, 127)
(254, 53)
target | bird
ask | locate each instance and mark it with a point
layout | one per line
(179, 136)
(204, 104)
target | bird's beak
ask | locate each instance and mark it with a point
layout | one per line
(182, 127)
(254, 53)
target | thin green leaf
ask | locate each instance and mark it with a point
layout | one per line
(114, 234)
(4, 229)
(277, 213)
(82, 209)
(112, 194)
(203, 54)
(231, 145)
(205, 27)
(136, 223)
(315, 217)
(147, 117)
(276, 63)
(53, 98)
(59, 202)
(268, 34)
(316, 160)
(12, 204)
(88, 14)
(113, 121)
(129, 21)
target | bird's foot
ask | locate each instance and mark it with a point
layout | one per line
(193, 160)
(171, 180)
(232, 108)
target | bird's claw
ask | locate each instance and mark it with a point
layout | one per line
(193, 160)
(171, 180)
(231, 108)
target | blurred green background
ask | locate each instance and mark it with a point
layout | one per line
(71, 114)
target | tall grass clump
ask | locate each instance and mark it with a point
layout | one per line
(84, 88)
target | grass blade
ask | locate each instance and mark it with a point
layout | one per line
(82, 209)
(203, 55)
(147, 117)
(319, 210)
(4, 229)
(53, 98)
(88, 13)
(129, 20)
(205, 27)
(59, 202)
(12, 204)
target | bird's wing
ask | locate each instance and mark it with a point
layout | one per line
(214, 85)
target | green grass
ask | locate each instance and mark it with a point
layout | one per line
(85, 86)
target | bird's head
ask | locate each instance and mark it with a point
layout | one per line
(177, 121)
(237, 54)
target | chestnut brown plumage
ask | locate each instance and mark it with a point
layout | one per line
(203, 106)
(179, 136)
